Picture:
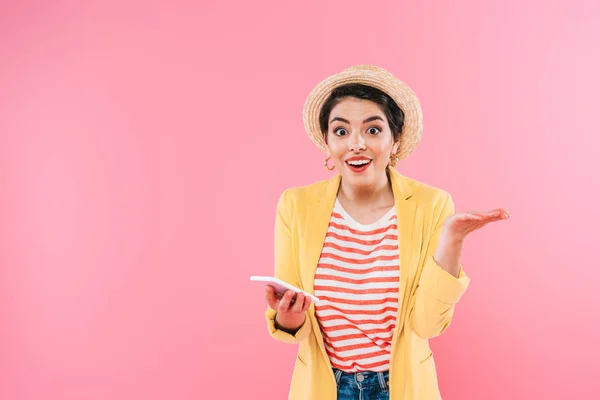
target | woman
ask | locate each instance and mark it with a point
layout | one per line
(381, 251)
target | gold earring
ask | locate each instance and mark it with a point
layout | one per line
(393, 160)
(327, 164)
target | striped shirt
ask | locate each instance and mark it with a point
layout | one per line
(357, 281)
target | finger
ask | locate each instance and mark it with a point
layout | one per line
(500, 217)
(497, 213)
(293, 301)
(284, 303)
(481, 224)
(307, 302)
(505, 214)
(475, 216)
(470, 216)
(468, 225)
(297, 307)
(272, 300)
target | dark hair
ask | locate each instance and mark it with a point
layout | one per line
(392, 112)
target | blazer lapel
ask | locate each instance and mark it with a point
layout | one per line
(405, 211)
(318, 221)
(318, 218)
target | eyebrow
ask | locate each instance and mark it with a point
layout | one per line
(376, 117)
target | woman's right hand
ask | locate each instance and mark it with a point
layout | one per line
(290, 315)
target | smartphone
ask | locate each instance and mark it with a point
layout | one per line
(281, 287)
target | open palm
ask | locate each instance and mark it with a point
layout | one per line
(461, 224)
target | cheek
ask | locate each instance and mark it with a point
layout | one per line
(336, 150)
(382, 152)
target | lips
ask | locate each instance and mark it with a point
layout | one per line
(358, 164)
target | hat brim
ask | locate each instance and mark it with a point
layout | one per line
(376, 77)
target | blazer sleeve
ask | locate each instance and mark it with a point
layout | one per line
(438, 291)
(285, 268)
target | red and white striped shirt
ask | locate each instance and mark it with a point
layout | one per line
(357, 281)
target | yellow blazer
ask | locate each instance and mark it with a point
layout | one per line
(427, 294)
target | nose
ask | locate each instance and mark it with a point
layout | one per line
(356, 142)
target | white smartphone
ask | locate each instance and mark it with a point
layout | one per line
(281, 287)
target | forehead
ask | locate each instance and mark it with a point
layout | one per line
(352, 108)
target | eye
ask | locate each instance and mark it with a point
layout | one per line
(374, 130)
(340, 131)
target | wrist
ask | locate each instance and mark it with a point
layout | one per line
(449, 238)
(448, 253)
(290, 327)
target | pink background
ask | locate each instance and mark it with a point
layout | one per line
(144, 146)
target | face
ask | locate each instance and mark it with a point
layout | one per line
(359, 141)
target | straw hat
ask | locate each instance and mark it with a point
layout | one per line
(379, 78)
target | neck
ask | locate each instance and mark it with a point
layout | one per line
(378, 193)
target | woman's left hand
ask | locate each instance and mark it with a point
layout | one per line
(455, 230)
(459, 225)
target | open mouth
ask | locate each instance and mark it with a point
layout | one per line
(358, 165)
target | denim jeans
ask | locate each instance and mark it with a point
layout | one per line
(362, 385)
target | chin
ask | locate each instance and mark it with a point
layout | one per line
(360, 180)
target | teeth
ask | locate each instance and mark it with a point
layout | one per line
(359, 162)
